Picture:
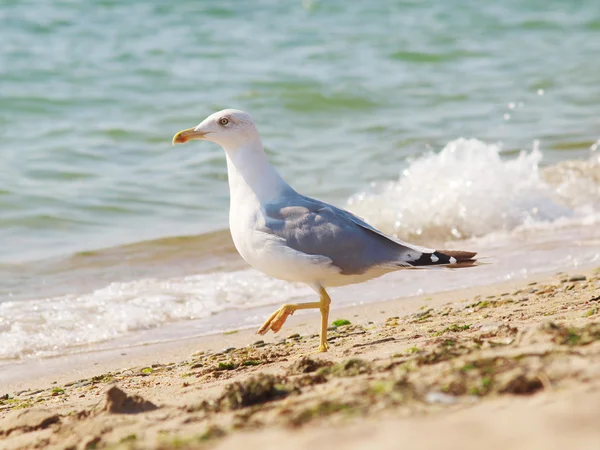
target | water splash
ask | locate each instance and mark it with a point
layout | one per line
(470, 190)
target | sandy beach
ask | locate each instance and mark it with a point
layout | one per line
(128, 315)
(514, 365)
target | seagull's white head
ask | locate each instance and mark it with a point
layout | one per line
(230, 128)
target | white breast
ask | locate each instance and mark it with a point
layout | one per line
(269, 254)
(253, 182)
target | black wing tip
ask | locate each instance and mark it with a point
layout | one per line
(452, 258)
(459, 255)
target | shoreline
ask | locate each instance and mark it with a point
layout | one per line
(160, 309)
(511, 349)
(64, 368)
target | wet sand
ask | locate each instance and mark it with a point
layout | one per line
(505, 366)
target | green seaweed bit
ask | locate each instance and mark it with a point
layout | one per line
(231, 332)
(16, 403)
(58, 390)
(212, 432)
(180, 442)
(453, 328)
(397, 390)
(574, 336)
(251, 362)
(322, 409)
(253, 391)
(129, 438)
(482, 388)
(474, 391)
(340, 322)
(147, 370)
(413, 350)
(105, 378)
(25, 404)
(424, 315)
(467, 367)
(381, 387)
(226, 366)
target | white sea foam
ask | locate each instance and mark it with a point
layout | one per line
(50, 326)
(469, 189)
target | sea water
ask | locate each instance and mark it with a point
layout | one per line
(454, 124)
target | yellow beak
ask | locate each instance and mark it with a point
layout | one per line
(186, 135)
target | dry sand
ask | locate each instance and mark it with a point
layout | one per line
(514, 366)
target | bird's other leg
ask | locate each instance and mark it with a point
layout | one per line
(324, 302)
(278, 318)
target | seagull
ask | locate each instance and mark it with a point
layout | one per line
(289, 236)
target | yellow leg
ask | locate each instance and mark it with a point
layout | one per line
(324, 307)
(278, 318)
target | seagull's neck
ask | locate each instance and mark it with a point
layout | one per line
(250, 174)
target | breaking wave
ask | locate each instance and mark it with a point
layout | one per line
(470, 189)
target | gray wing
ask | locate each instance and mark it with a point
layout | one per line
(317, 228)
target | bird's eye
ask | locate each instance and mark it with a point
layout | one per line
(224, 121)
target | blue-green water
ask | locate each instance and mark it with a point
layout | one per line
(345, 94)
(91, 93)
